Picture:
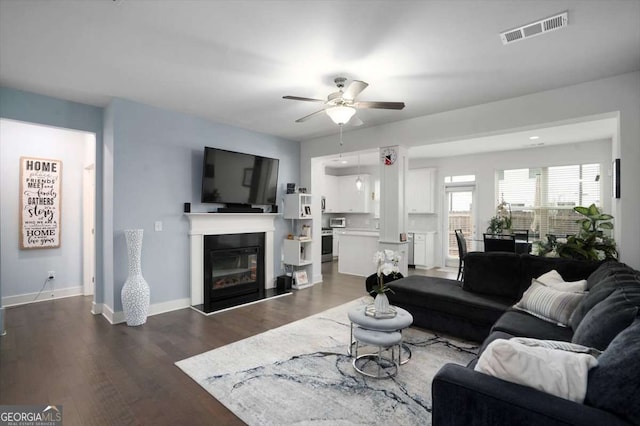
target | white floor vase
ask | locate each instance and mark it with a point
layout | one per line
(135, 294)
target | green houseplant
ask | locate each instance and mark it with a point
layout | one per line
(590, 243)
(501, 222)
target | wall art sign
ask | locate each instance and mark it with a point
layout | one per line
(40, 202)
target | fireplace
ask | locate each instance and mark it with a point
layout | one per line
(203, 225)
(234, 270)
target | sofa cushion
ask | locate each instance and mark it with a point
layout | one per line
(611, 276)
(569, 269)
(443, 295)
(492, 273)
(614, 385)
(548, 303)
(608, 318)
(607, 269)
(557, 372)
(522, 324)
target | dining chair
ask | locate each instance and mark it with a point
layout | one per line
(462, 252)
(499, 242)
(522, 240)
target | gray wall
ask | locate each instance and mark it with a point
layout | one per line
(157, 166)
(148, 164)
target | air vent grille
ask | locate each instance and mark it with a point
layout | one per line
(533, 29)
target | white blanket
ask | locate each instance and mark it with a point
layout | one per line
(553, 371)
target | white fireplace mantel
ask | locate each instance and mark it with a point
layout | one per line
(201, 224)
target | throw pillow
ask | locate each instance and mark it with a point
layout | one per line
(549, 304)
(557, 345)
(603, 289)
(614, 385)
(560, 373)
(554, 280)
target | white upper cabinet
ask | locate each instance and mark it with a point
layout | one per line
(352, 200)
(421, 185)
(330, 194)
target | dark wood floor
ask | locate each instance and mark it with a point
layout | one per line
(57, 352)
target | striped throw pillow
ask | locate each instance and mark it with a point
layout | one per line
(549, 304)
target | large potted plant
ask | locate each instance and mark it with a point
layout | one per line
(591, 242)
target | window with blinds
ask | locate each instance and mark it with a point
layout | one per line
(542, 199)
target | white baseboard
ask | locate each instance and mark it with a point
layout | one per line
(56, 293)
(96, 308)
(109, 314)
(155, 309)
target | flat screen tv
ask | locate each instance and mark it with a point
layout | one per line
(234, 178)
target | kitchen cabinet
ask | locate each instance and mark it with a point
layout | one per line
(336, 244)
(356, 252)
(423, 250)
(352, 200)
(342, 196)
(420, 190)
(330, 194)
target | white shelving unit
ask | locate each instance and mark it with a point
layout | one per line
(297, 252)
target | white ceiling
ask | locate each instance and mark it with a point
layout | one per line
(232, 61)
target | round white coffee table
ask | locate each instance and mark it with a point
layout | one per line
(402, 320)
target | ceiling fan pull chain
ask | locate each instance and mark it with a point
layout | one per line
(340, 134)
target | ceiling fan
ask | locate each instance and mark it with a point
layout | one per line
(340, 106)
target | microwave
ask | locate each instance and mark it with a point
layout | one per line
(338, 222)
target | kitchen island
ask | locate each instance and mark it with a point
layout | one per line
(356, 250)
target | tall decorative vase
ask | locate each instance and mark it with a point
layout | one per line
(135, 294)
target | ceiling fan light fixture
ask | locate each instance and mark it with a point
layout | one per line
(340, 114)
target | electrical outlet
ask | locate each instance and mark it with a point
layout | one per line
(51, 275)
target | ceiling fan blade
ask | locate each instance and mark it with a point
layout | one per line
(306, 117)
(380, 105)
(298, 98)
(354, 89)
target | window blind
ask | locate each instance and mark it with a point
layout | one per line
(542, 199)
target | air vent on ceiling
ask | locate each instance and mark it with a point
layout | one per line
(542, 26)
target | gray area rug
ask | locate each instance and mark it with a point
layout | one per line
(301, 374)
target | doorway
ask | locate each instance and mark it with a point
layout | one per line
(23, 271)
(459, 213)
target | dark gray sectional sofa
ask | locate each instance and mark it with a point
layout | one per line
(480, 309)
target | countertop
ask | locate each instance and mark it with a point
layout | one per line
(365, 232)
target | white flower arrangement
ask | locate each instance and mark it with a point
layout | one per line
(387, 264)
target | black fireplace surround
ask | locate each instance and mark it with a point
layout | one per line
(234, 271)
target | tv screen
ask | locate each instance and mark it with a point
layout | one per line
(235, 178)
